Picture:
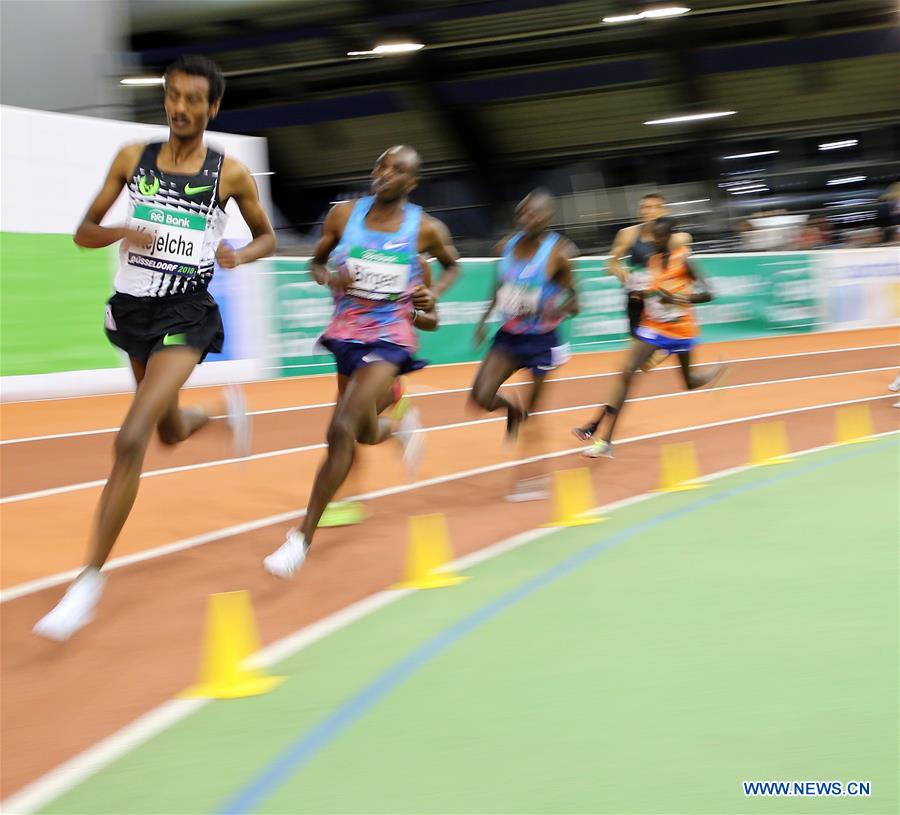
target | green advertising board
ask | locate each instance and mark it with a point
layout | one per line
(756, 296)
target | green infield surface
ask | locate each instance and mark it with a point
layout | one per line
(743, 632)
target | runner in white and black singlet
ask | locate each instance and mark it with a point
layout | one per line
(161, 314)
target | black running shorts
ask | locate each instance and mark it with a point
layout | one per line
(141, 326)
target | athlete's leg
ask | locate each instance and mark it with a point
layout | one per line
(355, 420)
(692, 379)
(341, 512)
(587, 430)
(535, 393)
(138, 367)
(530, 477)
(342, 381)
(178, 423)
(495, 369)
(640, 353)
(635, 310)
(635, 313)
(164, 374)
(158, 382)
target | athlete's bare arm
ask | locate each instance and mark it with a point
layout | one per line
(621, 247)
(332, 232)
(702, 294)
(90, 234)
(426, 319)
(480, 332)
(435, 241)
(565, 277)
(237, 183)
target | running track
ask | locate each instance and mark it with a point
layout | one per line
(204, 520)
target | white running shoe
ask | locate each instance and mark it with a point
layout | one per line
(599, 449)
(288, 557)
(238, 420)
(409, 434)
(75, 610)
(895, 385)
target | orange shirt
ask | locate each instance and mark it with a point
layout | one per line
(670, 319)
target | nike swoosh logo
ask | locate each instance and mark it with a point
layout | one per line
(175, 339)
(394, 244)
(189, 190)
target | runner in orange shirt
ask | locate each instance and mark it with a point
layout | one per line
(667, 324)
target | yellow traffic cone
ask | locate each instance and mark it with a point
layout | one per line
(853, 423)
(428, 552)
(573, 498)
(768, 444)
(230, 638)
(678, 468)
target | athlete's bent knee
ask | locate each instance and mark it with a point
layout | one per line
(368, 434)
(131, 441)
(341, 431)
(481, 396)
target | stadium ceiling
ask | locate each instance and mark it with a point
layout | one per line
(503, 81)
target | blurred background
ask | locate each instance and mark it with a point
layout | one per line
(770, 126)
(506, 95)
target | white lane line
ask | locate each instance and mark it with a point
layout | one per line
(79, 768)
(203, 465)
(42, 583)
(441, 392)
(670, 395)
(84, 485)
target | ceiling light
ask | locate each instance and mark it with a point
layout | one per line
(389, 48)
(838, 145)
(399, 47)
(759, 185)
(749, 191)
(650, 14)
(268, 172)
(691, 117)
(683, 203)
(751, 155)
(850, 179)
(622, 18)
(664, 11)
(142, 80)
(743, 182)
(850, 202)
